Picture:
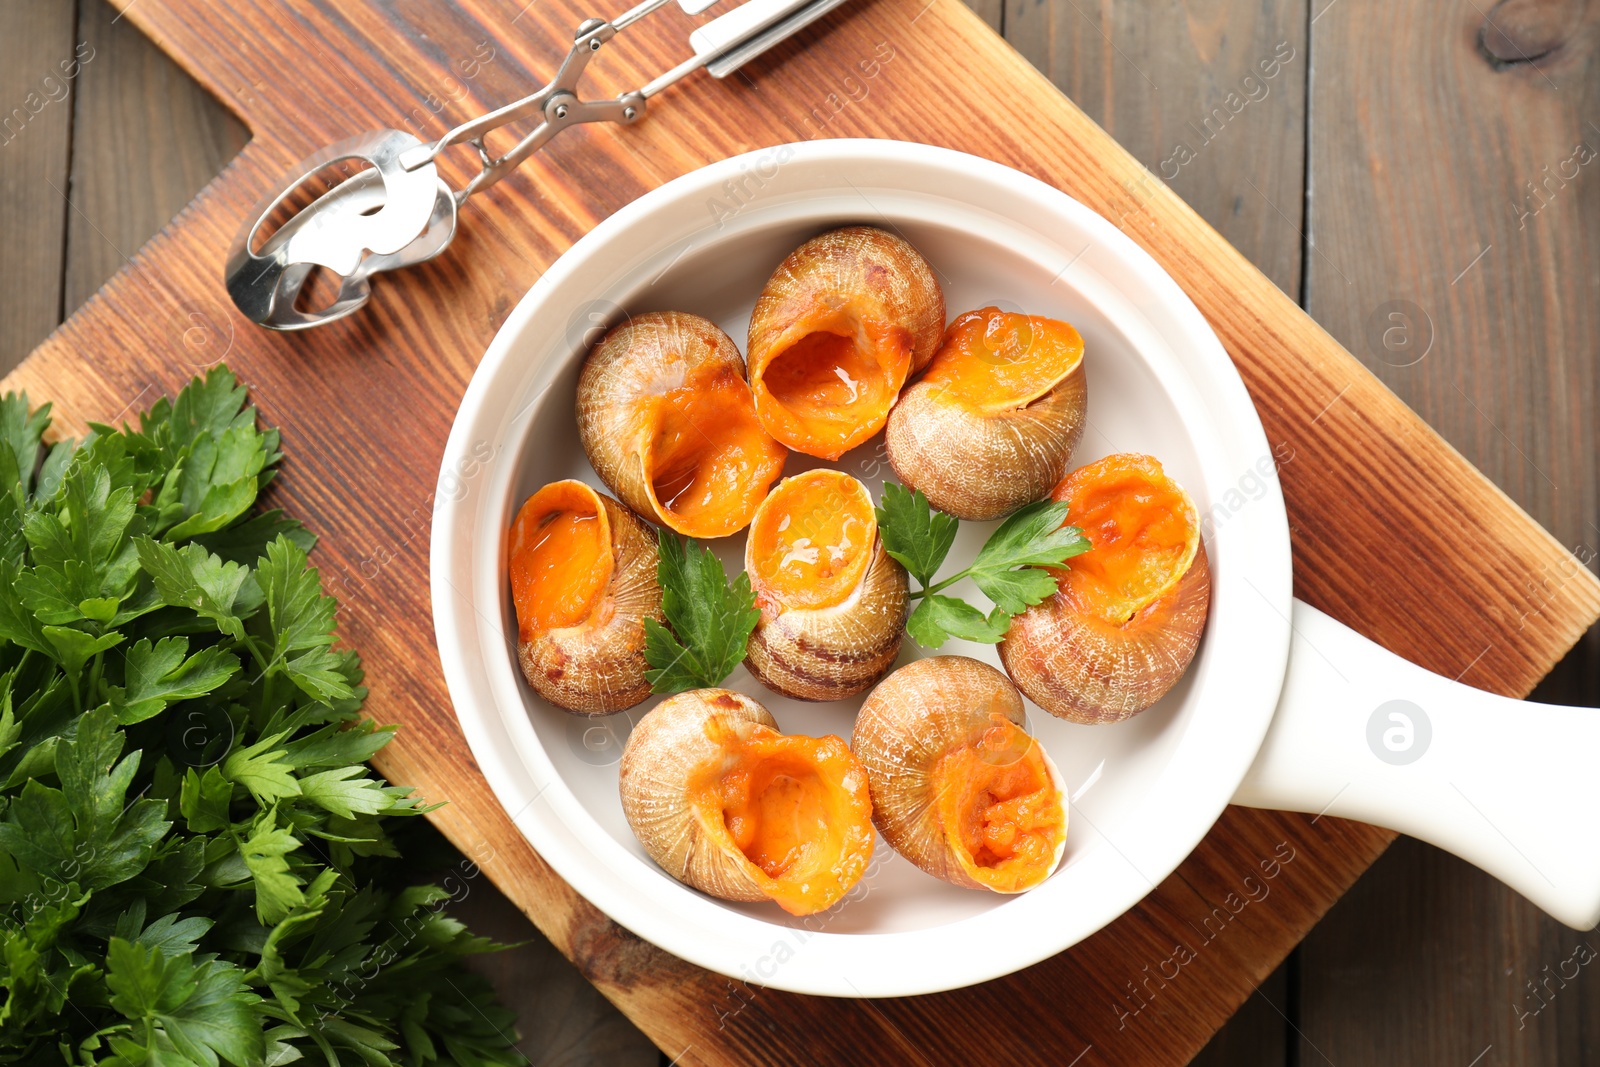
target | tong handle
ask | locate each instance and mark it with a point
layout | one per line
(729, 41)
(722, 46)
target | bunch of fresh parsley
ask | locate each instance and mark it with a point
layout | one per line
(194, 860)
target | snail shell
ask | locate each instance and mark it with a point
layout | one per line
(1127, 615)
(841, 324)
(668, 423)
(958, 786)
(991, 425)
(832, 601)
(583, 580)
(725, 803)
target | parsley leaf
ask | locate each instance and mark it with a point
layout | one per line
(199, 1013)
(939, 617)
(19, 625)
(190, 577)
(75, 648)
(88, 832)
(1009, 569)
(338, 744)
(302, 620)
(203, 800)
(220, 480)
(247, 541)
(711, 619)
(10, 729)
(262, 769)
(277, 887)
(913, 533)
(168, 933)
(20, 434)
(345, 791)
(162, 674)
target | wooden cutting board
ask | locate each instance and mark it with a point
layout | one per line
(1393, 532)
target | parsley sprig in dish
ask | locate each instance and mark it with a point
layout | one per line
(710, 617)
(1009, 569)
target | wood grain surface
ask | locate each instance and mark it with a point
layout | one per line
(410, 357)
(1467, 211)
(112, 129)
(1210, 98)
(35, 130)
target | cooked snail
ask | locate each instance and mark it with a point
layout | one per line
(958, 786)
(667, 420)
(725, 803)
(583, 580)
(991, 424)
(840, 325)
(1128, 614)
(832, 601)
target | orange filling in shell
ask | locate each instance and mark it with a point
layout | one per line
(798, 809)
(993, 360)
(1000, 808)
(1144, 529)
(706, 456)
(831, 386)
(812, 540)
(560, 558)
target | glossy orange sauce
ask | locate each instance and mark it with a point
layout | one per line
(796, 807)
(812, 540)
(999, 803)
(993, 360)
(560, 558)
(831, 389)
(774, 809)
(1144, 529)
(707, 457)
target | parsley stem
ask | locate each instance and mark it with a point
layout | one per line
(939, 587)
(94, 673)
(948, 582)
(262, 662)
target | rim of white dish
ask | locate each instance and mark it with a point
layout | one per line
(1245, 652)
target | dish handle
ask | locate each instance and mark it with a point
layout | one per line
(1509, 785)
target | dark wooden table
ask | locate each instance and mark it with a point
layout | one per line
(1423, 178)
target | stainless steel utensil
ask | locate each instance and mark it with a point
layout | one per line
(397, 211)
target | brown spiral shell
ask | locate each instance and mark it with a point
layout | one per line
(913, 719)
(977, 464)
(668, 373)
(1084, 669)
(860, 282)
(683, 744)
(597, 667)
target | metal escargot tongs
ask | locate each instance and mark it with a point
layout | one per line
(399, 211)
